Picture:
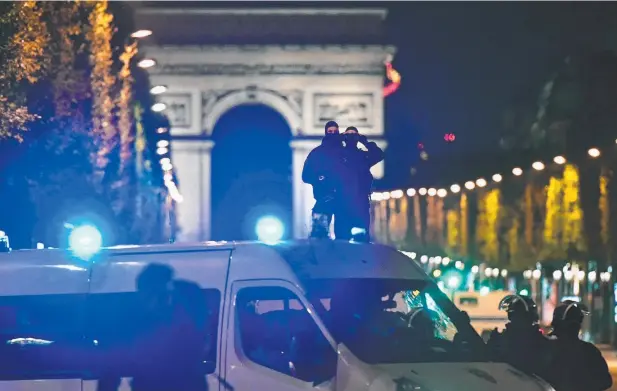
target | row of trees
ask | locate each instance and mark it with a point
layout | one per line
(75, 124)
(564, 212)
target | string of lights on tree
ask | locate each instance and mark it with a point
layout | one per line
(470, 185)
(162, 146)
(433, 264)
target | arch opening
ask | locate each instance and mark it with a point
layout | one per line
(251, 172)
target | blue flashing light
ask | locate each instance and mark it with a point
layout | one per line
(85, 241)
(269, 229)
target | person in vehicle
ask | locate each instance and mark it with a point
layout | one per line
(354, 209)
(522, 343)
(576, 365)
(323, 170)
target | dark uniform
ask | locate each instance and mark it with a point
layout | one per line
(521, 344)
(354, 208)
(577, 365)
(324, 169)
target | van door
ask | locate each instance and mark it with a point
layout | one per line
(41, 342)
(273, 342)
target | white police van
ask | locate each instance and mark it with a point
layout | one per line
(299, 315)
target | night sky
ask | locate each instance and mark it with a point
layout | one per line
(462, 63)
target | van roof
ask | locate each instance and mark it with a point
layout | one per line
(306, 258)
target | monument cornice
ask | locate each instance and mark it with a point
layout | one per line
(270, 48)
(267, 69)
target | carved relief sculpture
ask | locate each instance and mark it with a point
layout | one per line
(354, 109)
(178, 109)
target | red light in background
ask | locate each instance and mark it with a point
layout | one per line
(420, 146)
(449, 137)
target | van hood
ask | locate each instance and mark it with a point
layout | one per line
(458, 377)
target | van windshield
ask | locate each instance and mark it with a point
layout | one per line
(387, 321)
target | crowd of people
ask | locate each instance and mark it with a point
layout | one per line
(561, 358)
(340, 174)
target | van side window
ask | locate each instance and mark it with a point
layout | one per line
(42, 337)
(141, 336)
(276, 331)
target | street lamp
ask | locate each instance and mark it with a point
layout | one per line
(146, 63)
(141, 34)
(157, 90)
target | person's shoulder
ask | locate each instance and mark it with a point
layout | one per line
(590, 348)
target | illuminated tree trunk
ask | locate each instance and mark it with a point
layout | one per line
(125, 120)
(453, 231)
(464, 225)
(487, 225)
(103, 81)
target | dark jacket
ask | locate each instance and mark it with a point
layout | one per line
(358, 178)
(324, 170)
(524, 348)
(578, 366)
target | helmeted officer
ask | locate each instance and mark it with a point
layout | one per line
(577, 365)
(521, 344)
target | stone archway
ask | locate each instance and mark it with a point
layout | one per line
(251, 170)
(252, 94)
(307, 84)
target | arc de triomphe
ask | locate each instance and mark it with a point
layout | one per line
(214, 60)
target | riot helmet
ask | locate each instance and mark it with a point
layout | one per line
(520, 309)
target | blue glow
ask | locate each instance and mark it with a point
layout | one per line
(358, 231)
(85, 241)
(269, 229)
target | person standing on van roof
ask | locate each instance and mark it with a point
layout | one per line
(577, 365)
(323, 169)
(522, 343)
(355, 208)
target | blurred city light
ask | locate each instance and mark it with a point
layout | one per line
(594, 152)
(146, 63)
(157, 90)
(85, 241)
(269, 229)
(538, 166)
(158, 107)
(559, 159)
(141, 34)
